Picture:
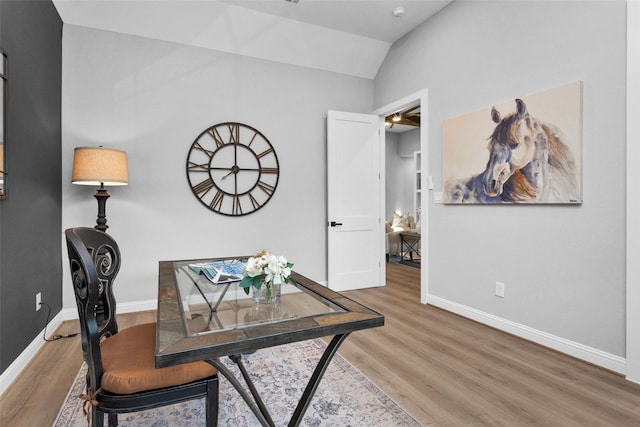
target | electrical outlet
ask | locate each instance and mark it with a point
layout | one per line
(38, 300)
(500, 289)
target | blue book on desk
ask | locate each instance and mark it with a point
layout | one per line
(220, 272)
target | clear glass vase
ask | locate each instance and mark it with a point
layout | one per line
(268, 293)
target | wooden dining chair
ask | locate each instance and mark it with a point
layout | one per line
(122, 376)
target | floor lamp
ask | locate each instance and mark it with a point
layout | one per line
(100, 166)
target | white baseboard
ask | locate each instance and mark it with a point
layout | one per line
(21, 362)
(580, 351)
(133, 307)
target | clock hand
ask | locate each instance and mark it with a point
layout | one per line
(233, 170)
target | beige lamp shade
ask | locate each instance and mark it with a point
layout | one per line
(98, 166)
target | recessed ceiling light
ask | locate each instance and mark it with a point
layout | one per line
(398, 11)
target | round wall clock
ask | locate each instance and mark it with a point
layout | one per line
(232, 169)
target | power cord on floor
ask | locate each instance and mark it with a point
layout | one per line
(57, 336)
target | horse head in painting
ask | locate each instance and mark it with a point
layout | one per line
(525, 156)
(512, 146)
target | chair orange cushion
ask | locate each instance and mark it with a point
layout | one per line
(128, 359)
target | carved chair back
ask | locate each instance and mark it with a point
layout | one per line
(94, 259)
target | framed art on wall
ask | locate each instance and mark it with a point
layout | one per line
(527, 150)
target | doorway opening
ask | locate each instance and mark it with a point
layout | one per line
(402, 187)
(415, 104)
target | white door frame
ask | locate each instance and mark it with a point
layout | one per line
(633, 194)
(421, 97)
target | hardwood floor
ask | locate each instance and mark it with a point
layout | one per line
(450, 371)
(443, 369)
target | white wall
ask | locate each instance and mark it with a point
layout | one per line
(400, 171)
(152, 99)
(563, 266)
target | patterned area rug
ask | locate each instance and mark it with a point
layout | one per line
(345, 397)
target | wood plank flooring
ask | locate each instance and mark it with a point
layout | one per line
(443, 369)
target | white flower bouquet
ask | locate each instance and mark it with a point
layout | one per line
(264, 267)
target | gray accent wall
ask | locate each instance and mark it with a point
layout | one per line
(30, 218)
(563, 266)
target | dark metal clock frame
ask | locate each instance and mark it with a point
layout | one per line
(232, 169)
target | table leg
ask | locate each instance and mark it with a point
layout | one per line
(257, 406)
(243, 393)
(309, 391)
(237, 359)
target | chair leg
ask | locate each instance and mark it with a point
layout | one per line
(211, 402)
(97, 417)
(113, 420)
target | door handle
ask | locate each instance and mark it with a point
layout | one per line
(333, 223)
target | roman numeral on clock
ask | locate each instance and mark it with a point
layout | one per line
(216, 203)
(269, 189)
(237, 208)
(195, 167)
(203, 188)
(215, 134)
(265, 152)
(234, 133)
(199, 147)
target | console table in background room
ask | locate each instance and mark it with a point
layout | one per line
(412, 242)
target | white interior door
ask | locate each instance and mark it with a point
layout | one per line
(354, 230)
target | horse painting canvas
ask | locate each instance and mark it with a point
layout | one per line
(524, 151)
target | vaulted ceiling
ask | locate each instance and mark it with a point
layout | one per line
(346, 36)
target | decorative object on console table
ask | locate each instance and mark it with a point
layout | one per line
(100, 166)
(264, 275)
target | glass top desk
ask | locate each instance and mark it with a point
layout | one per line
(199, 320)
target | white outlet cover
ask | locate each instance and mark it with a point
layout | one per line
(499, 289)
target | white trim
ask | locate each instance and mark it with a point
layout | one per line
(133, 307)
(422, 97)
(580, 351)
(633, 193)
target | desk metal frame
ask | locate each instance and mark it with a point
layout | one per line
(175, 346)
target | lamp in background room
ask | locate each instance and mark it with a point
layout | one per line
(100, 166)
